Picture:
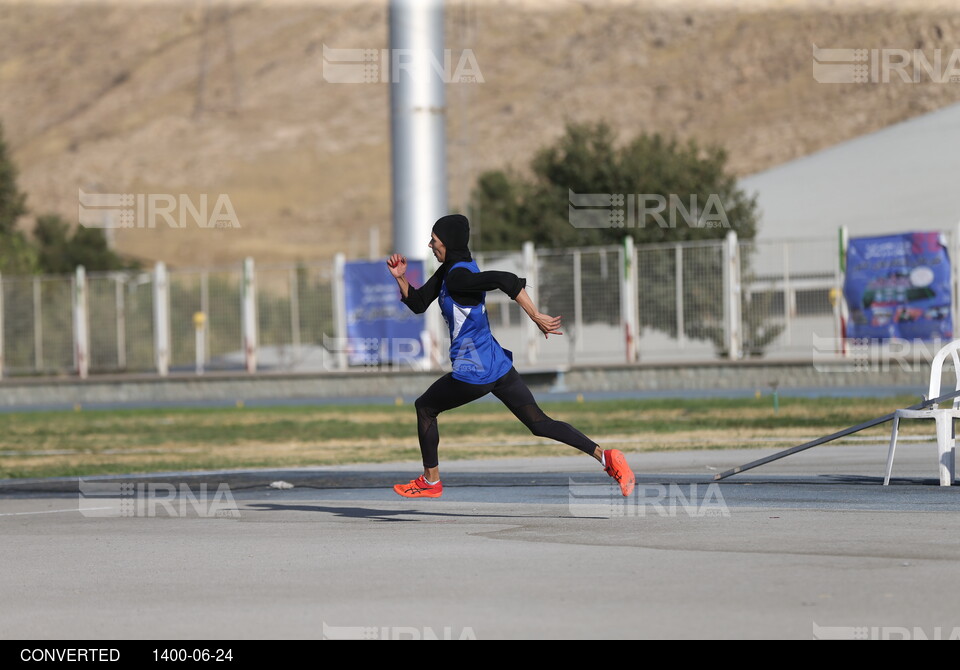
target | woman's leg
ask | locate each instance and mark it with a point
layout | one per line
(513, 392)
(445, 393)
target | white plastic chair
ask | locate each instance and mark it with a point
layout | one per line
(946, 440)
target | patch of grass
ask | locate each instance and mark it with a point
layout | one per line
(83, 443)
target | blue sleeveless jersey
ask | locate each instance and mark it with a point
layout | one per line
(476, 356)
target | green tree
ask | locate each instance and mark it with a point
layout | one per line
(13, 203)
(692, 197)
(16, 255)
(60, 252)
(511, 209)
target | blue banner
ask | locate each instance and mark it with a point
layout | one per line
(380, 328)
(899, 286)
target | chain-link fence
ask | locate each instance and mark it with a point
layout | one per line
(789, 294)
(693, 302)
(294, 310)
(38, 325)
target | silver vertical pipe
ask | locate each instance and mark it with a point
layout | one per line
(248, 315)
(161, 318)
(81, 319)
(37, 326)
(788, 301)
(340, 311)
(578, 300)
(417, 122)
(205, 308)
(121, 310)
(678, 287)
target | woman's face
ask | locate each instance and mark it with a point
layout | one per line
(439, 251)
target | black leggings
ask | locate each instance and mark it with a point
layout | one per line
(447, 393)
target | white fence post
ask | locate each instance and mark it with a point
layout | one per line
(249, 315)
(205, 308)
(199, 326)
(732, 296)
(340, 310)
(789, 302)
(533, 333)
(161, 318)
(121, 310)
(628, 299)
(955, 271)
(81, 337)
(578, 300)
(37, 326)
(678, 294)
(839, 303)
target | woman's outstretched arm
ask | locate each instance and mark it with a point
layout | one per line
(461, 280)
(548, 325)
(417, 299)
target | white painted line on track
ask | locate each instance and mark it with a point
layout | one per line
(54, 511)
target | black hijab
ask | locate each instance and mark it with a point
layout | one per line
(454, 231)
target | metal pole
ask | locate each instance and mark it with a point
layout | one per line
(578, 299)
(732, 296)
(340, 310)
(417, 122)
(80, 319)
(833, 436)
(205, 308)
(37, 325)
(840, 316)
(249, 315)
(161, 319)
(628, 299)
(678, 282)
(199, 321)
(955, 271)
(788, 301)
(121, 324)
(531, 330)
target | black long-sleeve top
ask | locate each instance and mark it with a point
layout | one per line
(465, 287)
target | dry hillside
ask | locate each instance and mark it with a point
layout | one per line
(108, 97)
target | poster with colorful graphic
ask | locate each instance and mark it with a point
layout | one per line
(380, 328)
(899, 286)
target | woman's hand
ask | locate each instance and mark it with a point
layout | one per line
(397, 265)
(548, 325)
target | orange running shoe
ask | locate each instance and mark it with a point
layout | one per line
(618, 469)
(419, 488)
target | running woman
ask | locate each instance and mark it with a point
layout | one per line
(480, 364)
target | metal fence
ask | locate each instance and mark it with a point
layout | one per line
(695, 301)
(681, 301)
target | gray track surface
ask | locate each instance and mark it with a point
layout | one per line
(809, 546)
